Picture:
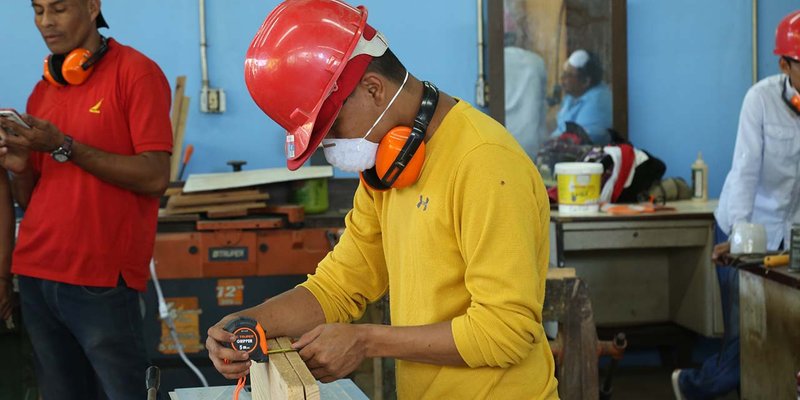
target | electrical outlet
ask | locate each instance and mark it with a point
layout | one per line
(212, 100)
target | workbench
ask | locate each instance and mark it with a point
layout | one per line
(645, 268)
(769, 318)
(343, 389)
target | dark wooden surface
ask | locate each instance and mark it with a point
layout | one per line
(770, 335)
(567, 301)
(780, 275)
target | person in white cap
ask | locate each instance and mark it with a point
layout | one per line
(461, 246)
(588, 100)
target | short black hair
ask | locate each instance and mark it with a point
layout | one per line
(790, 60)
(592, 70)
(389, 66)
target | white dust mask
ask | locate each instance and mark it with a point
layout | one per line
(356, 155)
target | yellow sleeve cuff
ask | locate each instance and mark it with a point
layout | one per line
(466, 344)
(319, 293)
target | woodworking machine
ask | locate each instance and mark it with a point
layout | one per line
(210, 268)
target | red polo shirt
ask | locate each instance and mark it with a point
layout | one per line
(78, 229)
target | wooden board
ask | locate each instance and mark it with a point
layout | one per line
(177, 143)
(177, 102)
(309, 383)
(276, 379)
(185, 200)
(213, 208)
(231, 180)
(560, 273)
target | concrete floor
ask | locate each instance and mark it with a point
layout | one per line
(652, 383)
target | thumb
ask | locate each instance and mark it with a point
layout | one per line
(307, 338)
(30, 120)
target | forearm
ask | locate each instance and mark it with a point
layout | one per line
(292, 313)
(22, 185)
(430, 344)
(146, 173)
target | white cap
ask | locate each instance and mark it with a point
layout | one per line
(578, 58)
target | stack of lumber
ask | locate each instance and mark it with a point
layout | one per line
(224, 201)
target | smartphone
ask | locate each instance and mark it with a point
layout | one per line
(13, 115)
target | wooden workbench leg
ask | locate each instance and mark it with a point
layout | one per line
(578, 377)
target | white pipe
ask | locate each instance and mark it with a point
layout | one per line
(755, 41)
(203, 58)
(163, 313)
(480, 87)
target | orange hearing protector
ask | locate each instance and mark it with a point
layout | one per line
(794, 102)
(401, 152)
(73, 68)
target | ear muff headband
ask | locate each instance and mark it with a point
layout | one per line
(416, 138)
(74, 68)
(794, 102)
(96, 56)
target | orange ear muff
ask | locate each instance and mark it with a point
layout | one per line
(52, 70)
(73, 69)
(795, 102)
(390, 147)
(401, 152)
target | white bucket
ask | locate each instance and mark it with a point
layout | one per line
(578, 187)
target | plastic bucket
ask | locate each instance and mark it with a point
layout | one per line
(578, 187)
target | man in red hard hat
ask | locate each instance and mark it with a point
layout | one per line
(762, 187)
(450, 218)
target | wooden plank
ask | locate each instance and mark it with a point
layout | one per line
(276, 379)
(256, 177)
(177, 143)
(177, 103)
(213, 208)
(172, 191)
(578, 376)
(309, 383)
(227, 214)
(183, 200)
(560, 273)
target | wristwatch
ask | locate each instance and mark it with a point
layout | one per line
(63, 152)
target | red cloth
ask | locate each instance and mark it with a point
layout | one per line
(78, 229)
(625, 169)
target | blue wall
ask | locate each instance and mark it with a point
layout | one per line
(689, 66)
(436, 42)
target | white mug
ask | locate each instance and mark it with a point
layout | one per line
(748, 238)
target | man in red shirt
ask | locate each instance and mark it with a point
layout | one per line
(89, 172)
(7, 223)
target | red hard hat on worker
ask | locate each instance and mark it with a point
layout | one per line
(787, 36)
(303, 62)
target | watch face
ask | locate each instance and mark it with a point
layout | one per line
(60, 157)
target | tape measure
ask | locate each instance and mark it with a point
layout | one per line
(250, 337)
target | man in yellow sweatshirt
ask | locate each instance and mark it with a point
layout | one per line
(459, 239)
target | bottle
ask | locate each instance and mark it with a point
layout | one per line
(312, 194)
(699, 179)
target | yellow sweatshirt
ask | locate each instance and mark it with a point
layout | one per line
(467, 243)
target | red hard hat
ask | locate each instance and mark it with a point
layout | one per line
(299, 57)
(787, 36)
